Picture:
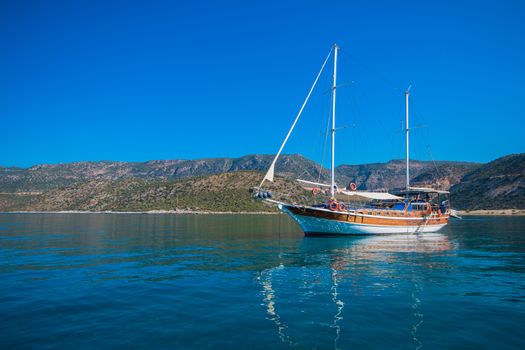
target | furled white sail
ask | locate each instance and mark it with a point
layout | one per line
(371, 195)
(270, 173)
(424, 189)
(313, 183)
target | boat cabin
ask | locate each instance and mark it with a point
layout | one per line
(417, 197)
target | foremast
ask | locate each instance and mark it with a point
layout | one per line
(407, 135)
(334, 89)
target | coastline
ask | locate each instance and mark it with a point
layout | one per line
(493, 212)
(484, 212)
(177, 212)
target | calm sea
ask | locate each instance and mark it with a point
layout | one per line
(98, 281)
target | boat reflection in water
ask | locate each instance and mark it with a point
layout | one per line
(318, 293)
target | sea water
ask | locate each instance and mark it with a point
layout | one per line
(139, 281)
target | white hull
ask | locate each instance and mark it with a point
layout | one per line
(320, 226)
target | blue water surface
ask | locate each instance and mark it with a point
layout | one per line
(143, 281)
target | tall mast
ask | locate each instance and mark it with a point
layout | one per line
(407, 94)
(334, 87)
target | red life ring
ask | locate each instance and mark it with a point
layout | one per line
(333, 205)
(352, 186)
(315, 191)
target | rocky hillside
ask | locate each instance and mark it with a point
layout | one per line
(222, 184)
(45, 177)
(220, 192)
(392, 174)
(499, 184)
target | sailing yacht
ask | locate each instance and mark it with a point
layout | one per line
(410, 210)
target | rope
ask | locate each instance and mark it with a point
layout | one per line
(422, 226)
(325, 141)
(272, 166)
(428, 147)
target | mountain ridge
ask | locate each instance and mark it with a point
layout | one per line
(499, 184)
(221, 184)
(44, 177)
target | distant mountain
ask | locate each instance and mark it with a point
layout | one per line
(499, 184)
(46, 177)
(221, 184)
(42, 178)
(218, 192)
(441, 174)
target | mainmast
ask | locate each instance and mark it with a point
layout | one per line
(334, 87)
(407, 94)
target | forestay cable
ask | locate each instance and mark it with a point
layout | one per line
(271, 170)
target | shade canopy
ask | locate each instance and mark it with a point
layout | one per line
(371, 195)
(422, 190)
(313, 183)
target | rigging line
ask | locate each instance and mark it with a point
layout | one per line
(415, 149)
(305, 171)
(325, 142)
(356, 108)
(375, 116)
(363, 132)
(269, 174)
(319, 135)
(439, 173)
(322, 137)
(396, 147)
(373, 113)
(351, 116)
(428, 147)
(383, 77)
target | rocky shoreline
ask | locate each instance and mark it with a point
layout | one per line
(491, 212)
(193, 212)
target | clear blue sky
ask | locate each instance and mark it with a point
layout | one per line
(141, 80)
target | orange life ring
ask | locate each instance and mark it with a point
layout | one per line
(333, 205)
(341, 206)
(352, 186)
